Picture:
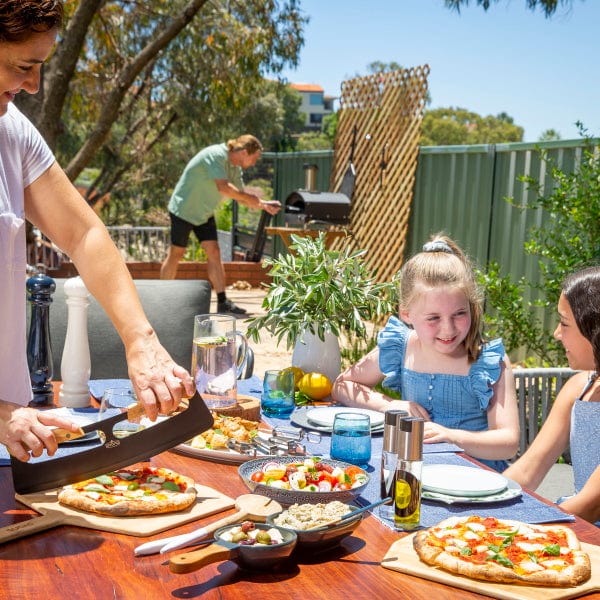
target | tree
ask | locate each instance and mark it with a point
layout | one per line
(458, 126)
(547, 6)
(549, 135)
(150, 71)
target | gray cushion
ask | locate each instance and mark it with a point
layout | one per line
(170, 306)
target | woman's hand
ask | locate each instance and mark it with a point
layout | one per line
(159, 383)
(26, 432)
(412, 408)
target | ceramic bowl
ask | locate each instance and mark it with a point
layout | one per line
(287, 497)
(322, 538)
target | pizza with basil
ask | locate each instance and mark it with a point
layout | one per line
(505, 551)
(131, 492)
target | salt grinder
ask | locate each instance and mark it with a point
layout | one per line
(409, 467)
(389, 458)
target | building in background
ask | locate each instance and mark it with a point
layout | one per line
(315, 105)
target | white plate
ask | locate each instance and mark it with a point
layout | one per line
(229, 457)
(456, 480)
(324, 416)
(298, 418)
(513, 490)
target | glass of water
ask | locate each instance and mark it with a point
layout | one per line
(115, 401)
(351, 439)
(277, 398)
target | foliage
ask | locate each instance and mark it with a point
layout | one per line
(568, 239)
(458, 126)
(548, 7)
(160, 80)
(549, 135)
(313, 141)
(320, 290)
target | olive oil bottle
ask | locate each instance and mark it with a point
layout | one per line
(407, 480)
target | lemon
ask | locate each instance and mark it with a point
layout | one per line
(298, 374)
(403, 494)
(315, 385)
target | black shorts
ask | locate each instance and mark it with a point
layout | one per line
(180, 231)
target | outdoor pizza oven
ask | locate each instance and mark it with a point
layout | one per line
(303, 208)
(307, 206)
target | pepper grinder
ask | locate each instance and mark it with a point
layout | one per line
(39, 348)
(409, 467)
(389, 458)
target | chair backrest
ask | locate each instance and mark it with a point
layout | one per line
(536, 391)
(170, 306)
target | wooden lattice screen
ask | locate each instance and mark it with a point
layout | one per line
(385, 110)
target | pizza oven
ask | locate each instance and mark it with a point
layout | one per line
(308, 206)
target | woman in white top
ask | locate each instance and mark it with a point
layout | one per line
(34, 187)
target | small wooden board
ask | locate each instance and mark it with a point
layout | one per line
(208, 502)
(402, 557)
(247, 407)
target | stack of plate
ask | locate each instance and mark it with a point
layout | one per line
(459, 484)
(321, 418)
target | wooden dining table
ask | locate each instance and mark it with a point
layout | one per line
(76, 562)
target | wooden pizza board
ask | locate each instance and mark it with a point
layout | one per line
(402, 557)
(208, 502)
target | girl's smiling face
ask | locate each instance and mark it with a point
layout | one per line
(20, 65)
(577, 347)
(441, 318)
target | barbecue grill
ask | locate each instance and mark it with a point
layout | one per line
(304, 208)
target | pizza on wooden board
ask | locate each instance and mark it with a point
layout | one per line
(505, 551)
(131, 492)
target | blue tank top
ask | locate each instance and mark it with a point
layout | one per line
(454, 401)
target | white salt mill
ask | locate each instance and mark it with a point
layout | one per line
(75, 367)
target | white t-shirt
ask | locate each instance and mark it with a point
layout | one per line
(24, 156)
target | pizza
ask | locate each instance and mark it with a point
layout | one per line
(225, 428)
(131, 492)
(505, 551)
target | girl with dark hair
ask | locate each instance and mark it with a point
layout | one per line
(575, 416)
(435, 357)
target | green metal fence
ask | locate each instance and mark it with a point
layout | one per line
(462, 190)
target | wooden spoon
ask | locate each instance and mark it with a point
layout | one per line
(250, 506)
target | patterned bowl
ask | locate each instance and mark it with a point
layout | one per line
(287, 497)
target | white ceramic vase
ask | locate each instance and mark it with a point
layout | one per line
(312, 354)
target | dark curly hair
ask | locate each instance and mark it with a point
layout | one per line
(582, 291)
(21, 18)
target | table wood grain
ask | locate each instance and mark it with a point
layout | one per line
(72, 562)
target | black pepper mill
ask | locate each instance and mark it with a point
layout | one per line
(39, 350)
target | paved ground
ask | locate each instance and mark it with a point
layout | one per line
(268, 355)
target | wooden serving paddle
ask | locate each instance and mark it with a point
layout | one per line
(249, 506)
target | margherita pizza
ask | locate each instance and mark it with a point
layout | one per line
(131, 492)
(505, 551)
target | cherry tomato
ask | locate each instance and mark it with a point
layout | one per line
(257, 476)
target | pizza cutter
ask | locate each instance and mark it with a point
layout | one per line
(250, 506)
(44, 473)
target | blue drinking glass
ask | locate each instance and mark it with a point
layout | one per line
(351, 439)
(277, 399)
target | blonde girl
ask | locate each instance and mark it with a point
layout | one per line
(435, 357)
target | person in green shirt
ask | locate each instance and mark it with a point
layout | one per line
(214, 173)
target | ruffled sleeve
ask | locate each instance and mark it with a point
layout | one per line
(391, 341)
(486, 371)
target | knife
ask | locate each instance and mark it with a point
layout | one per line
(133, 412)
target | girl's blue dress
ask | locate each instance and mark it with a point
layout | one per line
(454, 401)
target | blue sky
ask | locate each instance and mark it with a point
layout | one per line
(542, 72)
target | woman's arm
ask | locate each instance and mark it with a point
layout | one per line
(501, 439)
(586, 504)
(53, 204)
(354, 387)
(552, 439)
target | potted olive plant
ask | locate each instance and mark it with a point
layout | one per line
(317, 294)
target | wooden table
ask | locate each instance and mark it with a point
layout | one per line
(72, 562)
(286, 232)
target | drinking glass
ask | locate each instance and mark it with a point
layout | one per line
(114, 401)
(351, 439)
(277, 398)
(218, 357)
